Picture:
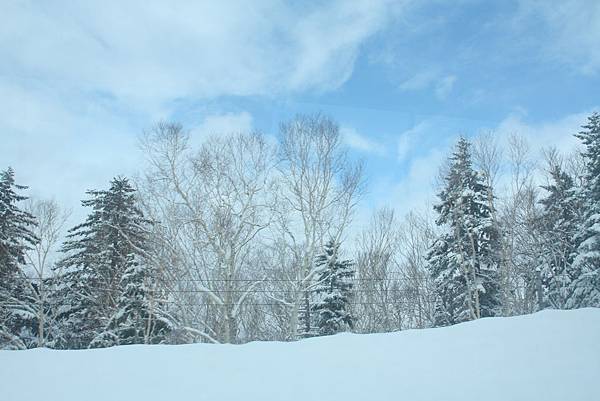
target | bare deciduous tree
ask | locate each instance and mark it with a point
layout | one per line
(51, 222)
(377, 261)
(212, 206)
(320, 188)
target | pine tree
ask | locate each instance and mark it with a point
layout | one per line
(558, 228)
(334, 291)
(585, 288)
(465, 258)
(99, 253)
(16, 316)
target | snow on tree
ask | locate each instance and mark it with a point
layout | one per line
(214, 205)
(333, 291)
(50, 220)
(140, 318)
(99, 254)
(17, 320)
(450, 285)
(585, 289)
(464, 259)
(557, 243)
(320, 188)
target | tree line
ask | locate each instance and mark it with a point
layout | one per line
(248, 238)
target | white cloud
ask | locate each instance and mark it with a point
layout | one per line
(357, 141)
(61, 150)
(431, 79)
(221, 124)
(79, 81)
(557, 133)
(423, 149)
(154, 51)
(413, 137)
(571, 30)
(404, 146)
(444, 86)
(416, 191)
(419, 81)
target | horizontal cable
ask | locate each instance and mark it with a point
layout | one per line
(252, 291)
(396, 302)
(244, 280)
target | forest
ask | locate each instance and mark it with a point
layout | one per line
(253, 237)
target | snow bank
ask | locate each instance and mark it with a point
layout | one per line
(552, 355)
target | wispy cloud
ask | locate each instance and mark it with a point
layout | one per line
(418, 135)
(557, 133)
(444, 86)
(153, 51)
(61, 154)
(421, 80)
(440, 84)
(360, 142)
(423, 148)
(569, 30)
(80, 81)
(222, 124)
(416, 189)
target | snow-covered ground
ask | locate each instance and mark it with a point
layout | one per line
(552, 355)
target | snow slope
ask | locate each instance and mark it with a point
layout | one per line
(552, 355)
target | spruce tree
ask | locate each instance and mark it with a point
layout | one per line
(305, 316)
(17, 321)
(139, 318)
(99, 253)
(333, 291)
(450, 287)
(558, 227)
(585, 288)
(464, 260)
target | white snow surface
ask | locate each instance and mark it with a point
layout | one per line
(551, 355)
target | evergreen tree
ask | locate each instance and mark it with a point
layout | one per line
(465, 258)
(334, 292)
(585, 288)
(17, 321)
(305, 316)
(450, 286)
(99, 253)
(557, 243)
(140, 318)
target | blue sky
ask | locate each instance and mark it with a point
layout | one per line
(79, 82)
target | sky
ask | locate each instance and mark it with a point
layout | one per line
(80, 81)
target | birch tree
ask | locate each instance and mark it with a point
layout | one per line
(377, 262)
(320, 188)
(213, 205)
(416, 300)
(40, 259)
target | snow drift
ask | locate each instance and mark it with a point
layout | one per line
(552, 355)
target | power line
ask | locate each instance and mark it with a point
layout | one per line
(201, 304)
(266, 280)
(255, 291)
